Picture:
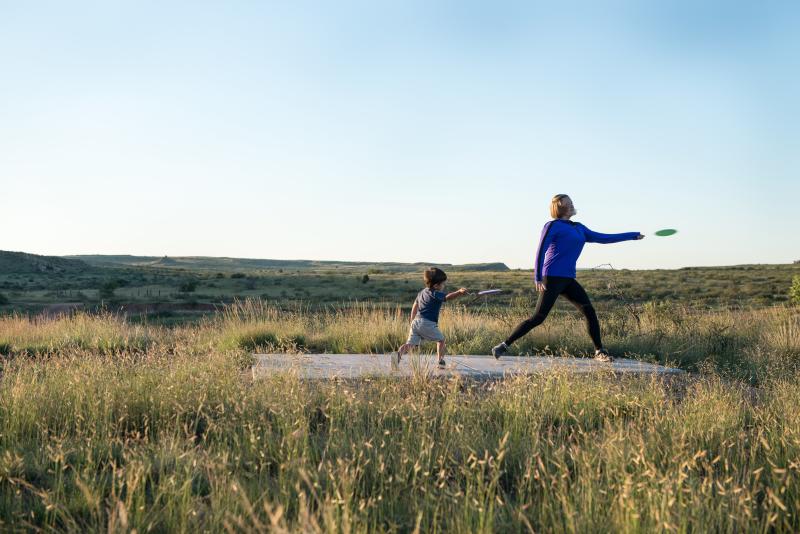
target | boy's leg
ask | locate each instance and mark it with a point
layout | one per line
(397, 356)
(414, 340)
(429, 331)
(405, 348)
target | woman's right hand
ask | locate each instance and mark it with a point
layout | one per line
(540, 286)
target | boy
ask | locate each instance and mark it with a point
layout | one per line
(425, 314)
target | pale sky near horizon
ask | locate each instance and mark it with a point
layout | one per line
(400, 131)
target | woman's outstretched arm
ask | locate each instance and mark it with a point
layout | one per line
(597, 237)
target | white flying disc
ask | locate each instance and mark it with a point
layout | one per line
(489, 292)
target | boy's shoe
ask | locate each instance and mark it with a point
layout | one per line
(499, 350)
(442, 364)
(602, 355)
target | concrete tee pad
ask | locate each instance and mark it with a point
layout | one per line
(327, 366)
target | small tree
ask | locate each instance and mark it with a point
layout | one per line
(188, 286)
(794, 291)
(365, 279)
(106, 291)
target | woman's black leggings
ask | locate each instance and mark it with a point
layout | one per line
(570, 288)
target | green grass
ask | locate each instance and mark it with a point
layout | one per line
(151, 289)
(114, 426)
(742, 344)
(745, 344)
(103, 334)
(115, 422)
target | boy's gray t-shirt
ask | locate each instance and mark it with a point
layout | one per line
(429, 302)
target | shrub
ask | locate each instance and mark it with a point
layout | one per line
(237, 275)
(3, 299)
(188, 286)
(794, 291)
(365, 279)
(106, 291)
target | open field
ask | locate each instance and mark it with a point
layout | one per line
(110, 425)
(186, 289)
(138, 411)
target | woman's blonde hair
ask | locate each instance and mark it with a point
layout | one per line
(558, 208)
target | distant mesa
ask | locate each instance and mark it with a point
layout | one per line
(223, 264)
(22, 262)
(482, 267)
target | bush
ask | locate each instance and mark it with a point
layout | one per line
(237, 275)
(365, 279)
(106, 291)
(3, 299)
(188, 286)
(794, 291)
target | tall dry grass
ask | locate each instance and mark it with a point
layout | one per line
(163, 433)
(751, 344)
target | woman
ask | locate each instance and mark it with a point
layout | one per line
(559, 247)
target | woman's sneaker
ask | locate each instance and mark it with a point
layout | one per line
(499, 350)
(602, 355)
(442, 364)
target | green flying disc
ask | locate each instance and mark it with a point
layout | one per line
(665, 232)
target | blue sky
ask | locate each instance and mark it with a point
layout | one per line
(400, 131)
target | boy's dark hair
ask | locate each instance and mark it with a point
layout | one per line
(433, 276)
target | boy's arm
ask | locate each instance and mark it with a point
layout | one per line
(414, 311)
(456, 294)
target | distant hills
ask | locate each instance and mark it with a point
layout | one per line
(206, 263)
(24, 263)
(175, 288)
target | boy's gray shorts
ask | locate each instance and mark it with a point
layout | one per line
(423, 329)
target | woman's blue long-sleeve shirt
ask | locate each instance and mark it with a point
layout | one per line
(562, 242)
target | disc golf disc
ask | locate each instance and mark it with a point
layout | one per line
(489, 292)
(665, 232)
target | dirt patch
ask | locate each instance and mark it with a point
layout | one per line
(160, 307)
(61, 308)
